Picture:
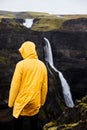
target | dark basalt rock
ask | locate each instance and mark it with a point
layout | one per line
(71, 119)
(79, 24)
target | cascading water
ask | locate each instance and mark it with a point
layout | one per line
(65, 87)
(28, 23)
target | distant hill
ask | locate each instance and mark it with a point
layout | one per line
(43, 21)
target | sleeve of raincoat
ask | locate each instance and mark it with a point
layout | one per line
(15, 84)
(44, 89)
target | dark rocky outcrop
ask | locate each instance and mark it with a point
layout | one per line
(68, 39)
(70, 121)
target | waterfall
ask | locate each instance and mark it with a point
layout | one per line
(65, 87)
(28, 23)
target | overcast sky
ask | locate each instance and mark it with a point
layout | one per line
(49, 6)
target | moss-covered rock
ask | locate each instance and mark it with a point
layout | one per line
(71, 119)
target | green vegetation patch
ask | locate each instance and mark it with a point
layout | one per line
(47, 24)
(3, 59)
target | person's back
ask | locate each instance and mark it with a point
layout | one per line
(29, 84)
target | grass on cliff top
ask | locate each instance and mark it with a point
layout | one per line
(8, 14)
(47, 24)
(44, 21)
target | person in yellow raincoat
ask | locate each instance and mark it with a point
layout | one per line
(29, 87)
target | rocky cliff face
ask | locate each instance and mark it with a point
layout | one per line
(69, 47)
(70, 57)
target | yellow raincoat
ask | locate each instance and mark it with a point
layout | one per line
(29, 83)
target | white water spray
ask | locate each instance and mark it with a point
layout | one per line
(65, 87)
(28, 23)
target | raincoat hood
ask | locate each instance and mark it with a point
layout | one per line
(27, 50)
